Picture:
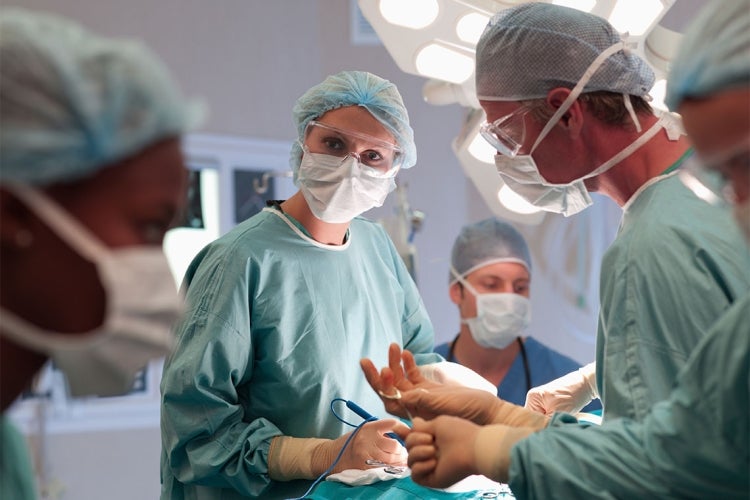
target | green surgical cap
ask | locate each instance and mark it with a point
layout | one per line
(487, 242)
(530, 49)
(72, 102)
(355, 88)
(714, 54)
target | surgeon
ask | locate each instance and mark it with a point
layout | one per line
(280, 306)
(91, 177)
(490, 283)
(567, 110)
(694, 444)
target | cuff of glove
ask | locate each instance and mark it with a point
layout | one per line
(297, 458)
(589, 376)
(518, 416)
(492, 449)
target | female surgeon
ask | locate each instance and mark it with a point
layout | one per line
(280, 306)
(91, 177)
(694, 444)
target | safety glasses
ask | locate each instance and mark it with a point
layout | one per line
(506, 134)
(381, 158)
(708, 177)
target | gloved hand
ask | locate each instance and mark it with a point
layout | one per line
(568, 393)
(307, 458)
(475, 405)
(447, 449)
(447, 372)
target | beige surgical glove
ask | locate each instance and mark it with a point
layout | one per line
(447, 372)
(568, 393)
(307, 458)
(492, 447)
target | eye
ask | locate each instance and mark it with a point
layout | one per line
(334, 144)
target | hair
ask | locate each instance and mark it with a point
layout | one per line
(609, 107)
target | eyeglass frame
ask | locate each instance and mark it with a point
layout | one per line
(491, 133)
(377, 171)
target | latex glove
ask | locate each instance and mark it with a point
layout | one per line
(396, 378)
(568, 393)
(447, 449)
(475, 405)
(307, 458)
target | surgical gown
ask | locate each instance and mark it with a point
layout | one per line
(545, 364)
(275, 327)
(696, 444)
(16, 472)
(675, 266)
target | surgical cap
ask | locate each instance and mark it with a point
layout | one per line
(530, 49)
(487, 242)
(355, 88)
(72, 102)
(714, 54)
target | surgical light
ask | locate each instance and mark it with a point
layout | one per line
(470, 27)
(635, 21)
(443, 63)
(514, 202)
(481, 150)
(414, 14)
(658, 92)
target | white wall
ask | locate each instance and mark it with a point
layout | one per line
(250, 60)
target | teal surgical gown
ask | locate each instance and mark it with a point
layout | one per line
(275, 326)
(16, 473)
(675, 266)
(695, 444)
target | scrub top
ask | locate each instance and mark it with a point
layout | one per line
(544, 365)
(16, 473)
(675, 266)
(695, 444)
(275, 326)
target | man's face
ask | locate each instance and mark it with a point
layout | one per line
(719, 127)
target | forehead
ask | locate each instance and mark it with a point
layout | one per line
(719, 122)
(506, 271)
(497, 109)
(356, 119)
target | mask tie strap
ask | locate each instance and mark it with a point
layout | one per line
(576, 91)
(631, 111)
(65, 226)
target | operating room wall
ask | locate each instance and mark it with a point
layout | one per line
(250, 60)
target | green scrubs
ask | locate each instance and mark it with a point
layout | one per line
(16, 473)
(676, 265)
(696, 444)
(275, 328)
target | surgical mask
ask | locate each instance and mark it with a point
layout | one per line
(500, 319)
(521, 173)
(142, 305)
(339, 189)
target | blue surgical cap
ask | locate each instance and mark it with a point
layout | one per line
(72, 102)
(714, 54)
(530, 49)
(487, 242)
(355, 88)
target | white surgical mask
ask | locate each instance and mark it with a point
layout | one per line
(500, 319)
(142, 305)
(337, 190)
(521, 173)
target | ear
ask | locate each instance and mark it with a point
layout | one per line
(456, 292)
(572, 120)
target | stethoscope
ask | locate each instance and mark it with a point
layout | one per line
(524, 358)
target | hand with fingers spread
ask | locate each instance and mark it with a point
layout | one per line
(396, 379)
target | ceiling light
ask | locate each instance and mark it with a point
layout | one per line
(443, 63)
(584, 5)
(658, 92)
(481, 150)
(470, 27)
(635, 21)
(414, 14)
(514, 202)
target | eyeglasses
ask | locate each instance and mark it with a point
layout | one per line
(708, 177)
(383, 158)
(506, 134)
